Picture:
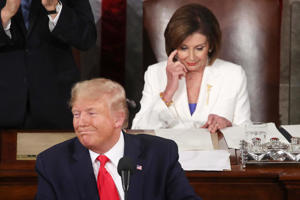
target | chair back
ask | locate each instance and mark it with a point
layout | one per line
(250, 38)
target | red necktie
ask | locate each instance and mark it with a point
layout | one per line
(106, 186)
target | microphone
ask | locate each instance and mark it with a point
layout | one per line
(131, 103)
(125, 170)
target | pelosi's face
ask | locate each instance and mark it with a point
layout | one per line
(193, 52)
(94, 124)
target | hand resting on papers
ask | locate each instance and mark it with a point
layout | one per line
(215, 122)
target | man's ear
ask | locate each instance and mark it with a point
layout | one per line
(119, 118)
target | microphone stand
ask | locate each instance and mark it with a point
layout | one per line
(126, 175)
(125, 169)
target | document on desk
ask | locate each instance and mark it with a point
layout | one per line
(294, 130)
(233, 135)
(216, 160)
(188, 139)
(196, 150)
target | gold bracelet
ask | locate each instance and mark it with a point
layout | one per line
(168, 104)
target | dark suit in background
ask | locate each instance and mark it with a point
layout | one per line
(37, 68)
(65, 171)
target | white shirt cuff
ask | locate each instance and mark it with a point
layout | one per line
(7, 29)
(53, 22)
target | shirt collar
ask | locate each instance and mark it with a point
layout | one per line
(114, 154)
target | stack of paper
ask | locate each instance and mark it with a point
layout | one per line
(196, 150)
(214, 160)
(233, 135)
(188, 139)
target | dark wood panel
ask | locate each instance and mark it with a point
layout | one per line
(237, 184)
(18, 184)
(237, 190)
(18, 180)
(18, 191)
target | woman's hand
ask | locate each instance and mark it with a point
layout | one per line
(175, 70)
(215, 122)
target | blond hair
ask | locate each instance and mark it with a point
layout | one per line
(99, 88)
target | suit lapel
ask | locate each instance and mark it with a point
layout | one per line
(33, 15)
(133, 149)
(211, 92)
(212, 87)
(20, 21)
(35, 10)
(84, 178)
(181, 100)
(83, 174)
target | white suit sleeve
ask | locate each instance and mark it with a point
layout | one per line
(233, 102)
(242, 107)
(154, 113)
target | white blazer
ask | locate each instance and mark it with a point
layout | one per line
(223, 92)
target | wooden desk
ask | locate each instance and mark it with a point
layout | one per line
(18, 179)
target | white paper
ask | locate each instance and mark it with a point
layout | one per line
(294, 130)
(233, 135)
(216, 160)
(188, 139)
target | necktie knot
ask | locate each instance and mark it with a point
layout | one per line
(103, 160)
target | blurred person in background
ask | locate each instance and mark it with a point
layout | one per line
(37, 67)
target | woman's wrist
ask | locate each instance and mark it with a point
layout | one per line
(168, 101)
(168, 95)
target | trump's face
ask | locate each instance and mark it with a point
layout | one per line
(95, 125)
(193, 52)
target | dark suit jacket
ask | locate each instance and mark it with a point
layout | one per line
(37, 68)
(65, 171)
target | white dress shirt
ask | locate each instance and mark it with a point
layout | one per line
(114, 155)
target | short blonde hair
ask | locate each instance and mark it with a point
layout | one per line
(98, 88)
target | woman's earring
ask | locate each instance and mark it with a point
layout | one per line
(210, 50)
